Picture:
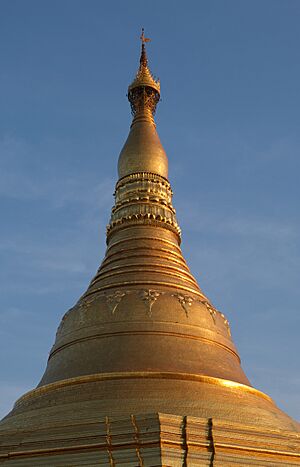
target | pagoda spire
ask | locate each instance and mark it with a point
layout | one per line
(144, 91)
(143, 151)
(144, 277)
(144, 339)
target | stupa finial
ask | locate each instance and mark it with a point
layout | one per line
(143, 151)
(144, 91)
(144, 40)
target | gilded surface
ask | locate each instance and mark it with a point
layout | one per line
(144, 339)
(140, 197)
(157, 439)
(143, 151)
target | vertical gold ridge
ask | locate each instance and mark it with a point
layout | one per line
(144, 339)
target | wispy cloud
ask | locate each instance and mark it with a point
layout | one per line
(243, 227)
(84, 198)
(25, 176)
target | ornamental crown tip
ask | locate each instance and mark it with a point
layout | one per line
(144, 77)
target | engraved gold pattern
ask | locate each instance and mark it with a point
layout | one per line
(149, 297)
(113, 299)
(144, 338)
(141, 197)
(185, 302)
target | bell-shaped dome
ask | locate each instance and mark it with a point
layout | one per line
(145, 339)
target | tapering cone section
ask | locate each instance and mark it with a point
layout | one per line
(143, 338)
(143, 151)
(143, 308)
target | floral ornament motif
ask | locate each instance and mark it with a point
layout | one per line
(211, 311)
(82, 307)
(149, 297)
(226, 322)
(86, 303)
(114, 299)
(185, 302)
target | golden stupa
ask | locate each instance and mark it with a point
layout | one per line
(143, 371)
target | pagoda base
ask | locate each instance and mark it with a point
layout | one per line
(151, 440)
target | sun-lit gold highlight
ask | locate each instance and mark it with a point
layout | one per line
(143, 370)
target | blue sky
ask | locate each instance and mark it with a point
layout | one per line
(229, 121)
